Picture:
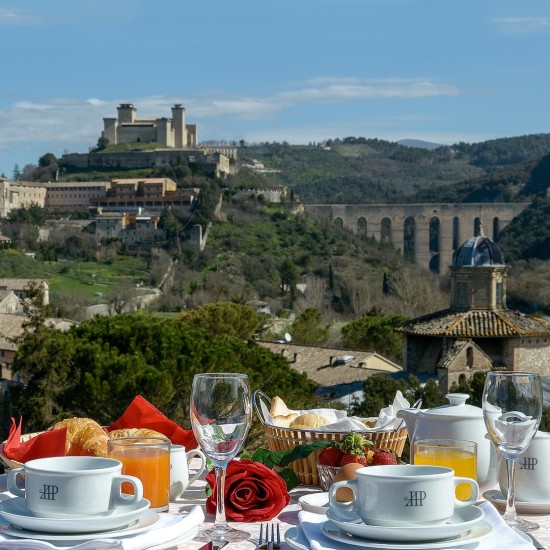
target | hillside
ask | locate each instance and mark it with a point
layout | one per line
(359, 170)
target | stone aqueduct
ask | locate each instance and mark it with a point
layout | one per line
(429, 233)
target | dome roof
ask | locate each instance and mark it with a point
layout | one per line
(478, 251)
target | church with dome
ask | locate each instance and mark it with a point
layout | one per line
(477, 332)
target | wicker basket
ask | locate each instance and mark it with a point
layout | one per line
(284, 439)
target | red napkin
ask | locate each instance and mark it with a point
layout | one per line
(46, 444)
(141, 414)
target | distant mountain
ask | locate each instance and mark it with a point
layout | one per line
(360, 170)
(420, 144)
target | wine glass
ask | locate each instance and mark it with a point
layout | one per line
(221, 414)
(512, 409)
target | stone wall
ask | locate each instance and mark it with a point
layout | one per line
(534, 355)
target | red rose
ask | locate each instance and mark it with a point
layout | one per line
(253, 492)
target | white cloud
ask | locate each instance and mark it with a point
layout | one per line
(523, 24)
(17, 18)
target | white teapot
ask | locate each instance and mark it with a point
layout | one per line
(456, 421)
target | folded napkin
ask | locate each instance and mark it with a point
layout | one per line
(142, 414)
(164, 534)
(139, 414)
(501, 537)
(50, 443)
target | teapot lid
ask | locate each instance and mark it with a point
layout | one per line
(457, 407)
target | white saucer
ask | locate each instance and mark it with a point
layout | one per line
(147, 520)
(476, 533)
(296, 539)
(316, 503)
(15, 511)
(499, 500)
(462, 520)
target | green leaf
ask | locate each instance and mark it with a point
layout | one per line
(284, 458)
(208, 490)
(264, 456)
(245, 455)
(290, 478)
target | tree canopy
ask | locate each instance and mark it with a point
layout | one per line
(96, 368)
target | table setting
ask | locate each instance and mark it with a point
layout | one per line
(154, 492)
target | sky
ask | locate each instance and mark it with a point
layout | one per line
(300, 71)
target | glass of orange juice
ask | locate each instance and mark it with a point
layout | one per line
(147, 458)
(460, 455)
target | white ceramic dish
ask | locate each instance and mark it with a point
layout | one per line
(481, 529)
(15, 511)
(296, 539)
(499, 500)
(316, 503)
(462, 520)
(147, 520)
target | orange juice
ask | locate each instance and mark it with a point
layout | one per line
(461, 461)
(152, 467)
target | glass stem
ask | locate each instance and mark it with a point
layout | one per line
(511, 493)
(220, 497)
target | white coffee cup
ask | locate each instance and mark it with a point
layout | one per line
(73, 486)
(532, 479)
(179, 469)
(402, 495)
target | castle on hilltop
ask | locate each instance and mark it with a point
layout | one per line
(171, 132)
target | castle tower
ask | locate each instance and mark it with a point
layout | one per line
(109, 132)
(126, 113)
(178, 126)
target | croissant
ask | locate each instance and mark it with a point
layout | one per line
(134, 432)
(85, 437)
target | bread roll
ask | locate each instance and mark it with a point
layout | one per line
(283, 421)
(279, 408)
(134, 432)
(308, 421)
(85, 437)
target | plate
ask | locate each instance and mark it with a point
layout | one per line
(145, 522)
(462, 520)
(296, 539)
(316, 503)
(475, 534)
(499, 500)
(15, 511)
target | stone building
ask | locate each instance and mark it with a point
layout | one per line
(171, 132)
(20, 194)
(477, 332)
(73, 196)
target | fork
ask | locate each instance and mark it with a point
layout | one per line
(269, 541)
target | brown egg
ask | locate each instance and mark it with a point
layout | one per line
(347, 473)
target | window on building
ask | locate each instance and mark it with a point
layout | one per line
(500, 295)
(461, 294)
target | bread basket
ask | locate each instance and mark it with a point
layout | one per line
(285, 439)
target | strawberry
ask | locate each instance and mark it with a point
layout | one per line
(384, 457)
(355, 458)
(330, 456)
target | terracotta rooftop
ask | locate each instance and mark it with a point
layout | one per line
(332, 366)
(477, 324)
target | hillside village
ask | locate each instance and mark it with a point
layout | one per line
(129, 209)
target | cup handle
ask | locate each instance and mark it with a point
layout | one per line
(12, 482)
(200, 454)
(343, 506)
(475, 491)
(122, 499)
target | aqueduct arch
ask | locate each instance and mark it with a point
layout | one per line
(429, 233)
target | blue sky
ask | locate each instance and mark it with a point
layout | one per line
(273, 70)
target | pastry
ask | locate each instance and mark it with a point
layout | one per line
(134, 432)
(85, 437)
(308, 421)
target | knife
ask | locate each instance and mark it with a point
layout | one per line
(538, 545)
